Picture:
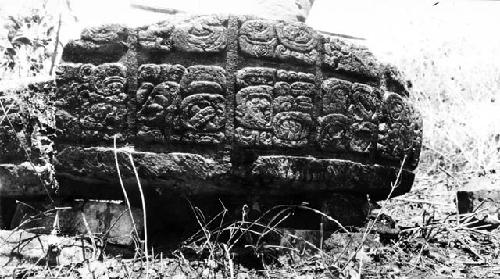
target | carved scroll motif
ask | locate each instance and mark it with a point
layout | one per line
(282, 40)
(201, 34)
(297, 41)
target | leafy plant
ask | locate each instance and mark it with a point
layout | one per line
(28, 47)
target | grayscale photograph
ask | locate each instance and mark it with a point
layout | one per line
(241, 139)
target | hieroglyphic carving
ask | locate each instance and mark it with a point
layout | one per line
(333, 132)
(341, 56)
(201, 34)
(253, 108)
(203, 109)
(282, 40)
(364, 109)
(274, 107)
(293, 106)
(351, 112)
(296, 41)
(255, 76)
(158, 98)
(334, 124)
(156, 37)
(399, 130)
(179, 104)
(253, 112)
(258, 38)
(335, 95)
(92, 101)
(291, 129)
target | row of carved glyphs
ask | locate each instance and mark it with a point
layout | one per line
(276, 107)
(181, 103)
(272, 108)
(258, 38)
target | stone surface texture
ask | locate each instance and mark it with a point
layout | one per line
(110, 221)
(219, 104)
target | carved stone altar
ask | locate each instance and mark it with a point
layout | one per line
(216, 107)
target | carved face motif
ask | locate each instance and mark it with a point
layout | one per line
(113, 86)
(396, 108)
(365, 102)
(335, 95)
(254, 107)
(203, 112)
(258, 38)
(172, 72)
(110, 79)
(333, 130)
(87, 72)
(362, 136)
(148, 72)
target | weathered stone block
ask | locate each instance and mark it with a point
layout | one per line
(25, 179)
(344, 57)
(91, 102)
(224, 105)
(98, 45)
(295, 173)
(107, 220)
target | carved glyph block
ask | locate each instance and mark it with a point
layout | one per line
(92, 101)
(399, 130)
(274, 107)
(350, 115)
(201, 34)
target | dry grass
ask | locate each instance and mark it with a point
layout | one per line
(455, 74)
(452, 62)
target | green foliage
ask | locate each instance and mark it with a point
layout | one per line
(29, 44)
